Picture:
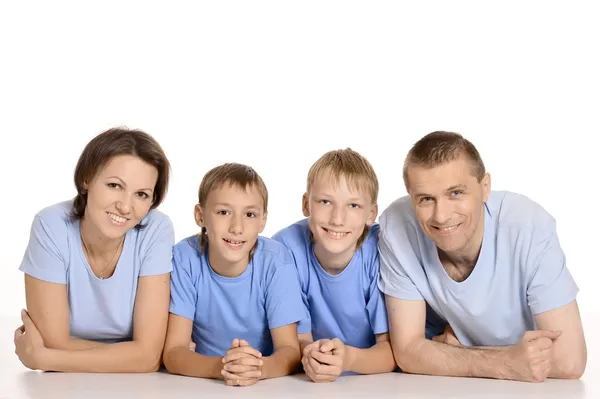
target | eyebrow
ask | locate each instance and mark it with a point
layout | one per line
(125, 184)
(225, 204)
(327, 196)
(451, 188)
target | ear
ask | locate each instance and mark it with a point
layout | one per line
(199, 215)
(305, 208)
(486, 186)
(263, 222)
(373, 214)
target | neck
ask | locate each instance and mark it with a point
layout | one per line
(466, 257)
(225, 268)
(333, 263)
(95, 242)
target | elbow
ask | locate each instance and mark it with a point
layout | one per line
(571, 370)
(150, 361)
(404, 359)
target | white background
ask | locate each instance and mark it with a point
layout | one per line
(276, 84)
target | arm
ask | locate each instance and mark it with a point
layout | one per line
(286, 356)
(529, 360)
(178, 357)
(142, 354)
(48, 306)
(305, 340)
(569, 355)
(374, 360)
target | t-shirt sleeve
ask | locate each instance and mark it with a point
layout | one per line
(550, 282)
(183, 291)
(376, 304)
(43, 257)
(159, 242)
(304, 325)
(394, 255)
(283, 298)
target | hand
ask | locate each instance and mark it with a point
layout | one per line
(192, 346)
(29, 344)
(325, 360)
(531, 358)
(447, 337)
(242, 364)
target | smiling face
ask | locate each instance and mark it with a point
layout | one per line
(448, 202)
(233, 217)
(119, 196)
(337, 217)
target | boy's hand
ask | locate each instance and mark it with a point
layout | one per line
(327, 362)
(242, 364)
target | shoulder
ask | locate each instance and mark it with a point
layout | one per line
(55, 220)
(513, 210)
(271, 252)
(399, 225)
(295, 235)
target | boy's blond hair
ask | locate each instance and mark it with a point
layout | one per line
(353, 167)
(235, 174)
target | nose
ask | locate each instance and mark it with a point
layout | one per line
(442, 212)
(337, 216)
(123, 205)
(236, 225)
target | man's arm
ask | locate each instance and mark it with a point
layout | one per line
(529, 360)
(286, 356)
(178, 357)
(569, 352)
(142, 354)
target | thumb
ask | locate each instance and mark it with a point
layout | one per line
(531, 335)
(27, 323)
(244, 342)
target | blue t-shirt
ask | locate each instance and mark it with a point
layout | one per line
(99, 310)
(265, 296)
(521, 270)
(348, 306)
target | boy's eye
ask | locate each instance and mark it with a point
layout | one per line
(324, 202)
(222, 212)
(250, 214)
(354, 206)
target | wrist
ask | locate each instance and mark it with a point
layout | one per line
(349, 358)
(45, 359)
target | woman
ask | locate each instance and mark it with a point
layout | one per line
(97, 268)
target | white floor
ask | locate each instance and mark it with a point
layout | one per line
(18, 382)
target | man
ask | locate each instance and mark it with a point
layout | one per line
(488, 263)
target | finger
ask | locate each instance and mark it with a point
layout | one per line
(242, 351)
(326, 346)
(325, 369)
(309, 347)
(542, 343)
(531, 335)
(244, 343)
(546, 354)
(26, 320)
(238, 377)
(247, 361)
(19, 331)
(331, 360)
(248, 382)
(235, 343)
(238, 368)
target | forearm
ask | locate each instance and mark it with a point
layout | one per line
(434, 358)
(283, 361)
(374, 360)
(123, 357)
(568, 367)
(74, 344)
(185, 362)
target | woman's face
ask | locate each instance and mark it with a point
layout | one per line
(120, 195)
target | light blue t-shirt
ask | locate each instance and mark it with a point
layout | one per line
(265, 296)
(99, 310)
(348, 306)
(520, 272)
